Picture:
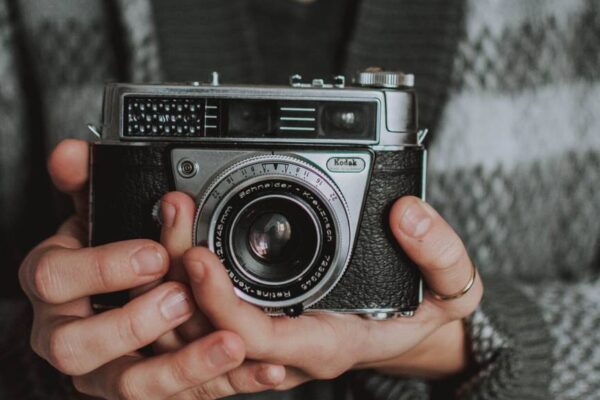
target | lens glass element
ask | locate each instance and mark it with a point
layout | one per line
(275, 239)
(269, 235)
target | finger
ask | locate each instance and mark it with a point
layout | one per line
(308, 342)
(58, 275)
(250, 377)
(27, 267)
(176, 235)
(74, 227)
(105, 382)
(433, 245)
(178, 211)
(171, 340)
(216, 298)
(166, 375)
(116, 380)
(77, 346)
(68, 168)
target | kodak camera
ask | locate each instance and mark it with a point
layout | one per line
(293, 184)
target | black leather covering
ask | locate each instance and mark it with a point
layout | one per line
(126, 183)
(380, 275)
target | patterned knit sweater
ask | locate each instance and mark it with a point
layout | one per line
(511, 90)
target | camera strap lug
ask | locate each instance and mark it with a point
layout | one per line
(95, 131)
(421, 135)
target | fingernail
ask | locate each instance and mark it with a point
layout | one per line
(176, 304)
(147, 261)
(268, 375)
(168, 214)
(219, 356)
(416, 221)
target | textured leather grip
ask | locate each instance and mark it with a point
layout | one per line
(380, 275)
(126, 183)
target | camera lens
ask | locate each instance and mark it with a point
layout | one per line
(280, 227)
(274, 239)
(269, 235)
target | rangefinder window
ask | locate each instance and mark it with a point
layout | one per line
(351, 120)
(196, 117)
(249, 118)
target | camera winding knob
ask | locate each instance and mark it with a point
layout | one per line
(377, 77)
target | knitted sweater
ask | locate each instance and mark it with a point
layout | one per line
(511, 91)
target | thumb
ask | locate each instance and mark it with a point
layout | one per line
(438, 251)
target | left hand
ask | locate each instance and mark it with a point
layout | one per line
(324, 345)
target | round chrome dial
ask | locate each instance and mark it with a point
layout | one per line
(376, 77)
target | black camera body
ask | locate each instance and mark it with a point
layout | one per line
(293, 185)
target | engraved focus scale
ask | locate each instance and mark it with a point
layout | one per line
(292, 184)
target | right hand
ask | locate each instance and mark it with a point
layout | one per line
(99, 351)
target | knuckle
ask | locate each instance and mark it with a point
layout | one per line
(183, 372)
(236, 382)
(23, 272)
(202, 392)
(234, 344)
(44, 279)
(451, 252)
(194, 254)
(125, 386)
(471, 303)
(61, 353)
(131, 329)
(468, 304)
(100, 263)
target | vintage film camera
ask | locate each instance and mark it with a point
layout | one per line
(293, 184)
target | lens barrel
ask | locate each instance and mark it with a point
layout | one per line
(281, 228)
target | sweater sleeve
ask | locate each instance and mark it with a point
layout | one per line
(540, 342)
(512, 349)
(511, 344)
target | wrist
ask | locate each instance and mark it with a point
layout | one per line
(442, 354)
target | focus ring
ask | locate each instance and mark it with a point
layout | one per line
(250, 176)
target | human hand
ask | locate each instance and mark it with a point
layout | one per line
(60, 274)
(324, 345)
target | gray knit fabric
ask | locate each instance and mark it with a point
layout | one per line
(515, 167)
(512, 91)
